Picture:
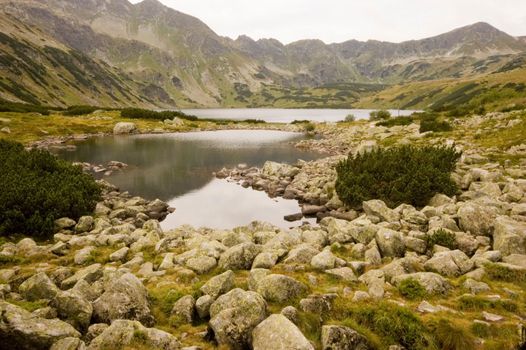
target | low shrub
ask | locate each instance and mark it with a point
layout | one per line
(379, 115)
(7, 106)
(396, 323)
(404, 174)
(350, 118)
(396, 121)
(137, 113)
(309, 127)
(435, 125)
(450, 336)
(412, 289)
(80, 110)
(36, 188)
(443, 238)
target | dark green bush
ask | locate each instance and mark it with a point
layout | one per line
(80, 110)
(411, 289)
(379, 115)
(36, 188)
(443, 238)
(435, 125)
(7, 106)
(396, 121)
(405, 174)
(309, 127)
(137, 113)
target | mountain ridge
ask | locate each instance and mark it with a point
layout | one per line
(183, 60)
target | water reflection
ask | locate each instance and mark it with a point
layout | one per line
(174, 165)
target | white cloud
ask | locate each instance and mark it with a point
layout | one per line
(340, 20)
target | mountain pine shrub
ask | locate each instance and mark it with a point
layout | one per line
(379, 115)
(405, 174)
(36, 188)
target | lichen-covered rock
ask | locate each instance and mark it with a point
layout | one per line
(278, 333)
(85, 224)
(74, 309)
(476, 219)
(390, 243)
(90, 274)
(280, 288)
(379, 209)
(184, 309)
(124, 298)
(69, 344)
(234, 315)
(301, 254)
(265, 260)
(432, 282)
(219, 284)
(201, 264)
(37, 287)
(21, 330)
(124, 128)
(449, 263)
(122, 333)
(202, 306)
(509, 236)
(342, 338)
(239, 257)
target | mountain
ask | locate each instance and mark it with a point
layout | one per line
(159, 56)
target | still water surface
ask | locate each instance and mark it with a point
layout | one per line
(178, 168)
(276, 115)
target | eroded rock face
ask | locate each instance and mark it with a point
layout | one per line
(124, 298)
(19, 329)
(277, 332)
(122, 333)
(234, 315)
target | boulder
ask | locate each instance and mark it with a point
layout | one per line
(184, 309)
(301, 254)
(124, 298)
(449, 263)
(277, 332)
(219, 284)
(516, 259)
(83, 256)
(90, 274)
(85, 224)
(342, 338)
(379, 209)
(344, 273)
(509, 236)
(390, 243)
(21, 330)
(476, 219)
(124, 128)
(119, 255)
(475, 287)
(201, 264)
(265, 260)
(37, 287)
(69, 344)
(432, 282)
(280, 288)
(123, 333)
(239, 257)
(234, 315)
(324, 260)
(74, 309)
(202, 306)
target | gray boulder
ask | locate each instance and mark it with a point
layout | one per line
(379, 209)
(234, 315)
(476, 219)
(69, 344)
(201, 264)
(432, 282)
(278, 333)
(239, 257)
(124, 298)
(184, 309)
(85, 224)
(390, 243)
(509, 236)
(202, 306)
(219, 284)
(73, 309)
(124, 128)
(301, 254)
(123, 333)
(342, 338)
(90, 274)
(280, 288)
(449, 263)
(37, 287)
(21, 330)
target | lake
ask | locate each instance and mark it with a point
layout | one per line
(277, 115)
(178, 168)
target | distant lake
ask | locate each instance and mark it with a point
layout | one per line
(178, 168)
(287, 115)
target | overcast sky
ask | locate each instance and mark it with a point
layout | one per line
(340, 20)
